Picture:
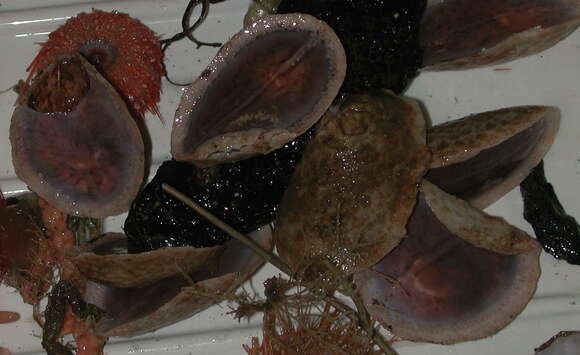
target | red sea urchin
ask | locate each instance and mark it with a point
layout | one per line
(124, 50)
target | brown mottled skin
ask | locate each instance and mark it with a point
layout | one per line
(481, 157)
(368, 158)
(458, 140)
(479, 229)
(137, 270)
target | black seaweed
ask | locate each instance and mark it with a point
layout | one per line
(244, 194)
(557, 231)
(381, 39)
(63, 294)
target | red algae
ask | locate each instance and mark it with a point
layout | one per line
(296, 321)
(5, 316)
(124, 50)
(87, 342)
(60, 240)
(25, 260)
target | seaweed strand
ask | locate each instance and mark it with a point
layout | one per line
(187, 31)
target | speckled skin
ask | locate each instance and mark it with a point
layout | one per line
(474, 137)
(476, 227)
(461, 139)
(353, 191)
(137, 270)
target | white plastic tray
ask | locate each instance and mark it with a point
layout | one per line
(551, 78)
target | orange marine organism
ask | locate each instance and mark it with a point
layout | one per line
(124, 50)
